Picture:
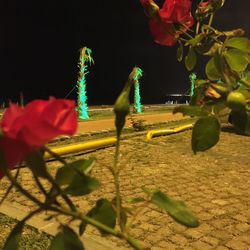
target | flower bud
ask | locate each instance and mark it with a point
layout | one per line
(122, 107)
(217, 4)
(150, 7)
(236, 101)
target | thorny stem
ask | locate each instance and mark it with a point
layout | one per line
(10, 187)
(97, 224)
(197, 28)
(56, 156)
(39, 184)
(211, 19)
(116, 171)
(20, 188)
(55, 185)
(31, 214)
(59, 190)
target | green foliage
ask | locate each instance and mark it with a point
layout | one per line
(206, 133)
(36, 163)
(241, 122)
(176, 209)
(122, 104)
(211, 70)
(67, 173)
(179, 54)
(66, 240)
(236, 101)
(103, 212)
(241, 43)
(237, 59)
(136, 200)
(13, 239)
(81, 184)
(190, 59)
(191, 110)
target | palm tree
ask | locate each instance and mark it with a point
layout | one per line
(137, 97)
(84, 60)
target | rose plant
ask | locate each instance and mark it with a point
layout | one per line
(227, 86)
(24, 133)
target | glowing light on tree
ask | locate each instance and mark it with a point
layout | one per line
(84, 60)
(137, 97)
(193, 78)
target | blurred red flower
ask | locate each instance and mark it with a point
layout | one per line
(166, 24)
(27, 129)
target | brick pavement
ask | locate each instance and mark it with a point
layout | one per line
(214, 184)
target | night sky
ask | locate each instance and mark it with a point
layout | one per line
(40, 42)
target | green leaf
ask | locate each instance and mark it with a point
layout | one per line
(82, 228)
(246, 81)
(201, 82)
(241, 121)
(14, 237)
(190, 110)
(211, 70)
(66, 174)
(81, 185)
(241, 43)
(196, 40)
(36, 163)
(66, 240)
(219, 107)
(179, 54)
(176, 209)
(190, 59)
(237, 59)
(136, 200)
(104, 213)
(206, 133)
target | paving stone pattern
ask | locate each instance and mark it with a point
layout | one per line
(214, 184)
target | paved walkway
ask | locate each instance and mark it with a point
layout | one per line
(89, 126)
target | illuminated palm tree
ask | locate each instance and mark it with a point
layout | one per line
(137, 97)
(84, 60)
(192, 78)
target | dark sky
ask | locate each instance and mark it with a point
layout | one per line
(40, 42)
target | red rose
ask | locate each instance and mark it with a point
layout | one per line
(163, 23)
(25, 130)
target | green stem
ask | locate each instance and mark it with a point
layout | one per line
(59, 190)
(184, 32)
(31, 214)
(20, 188)
(211, 19)
(116, 180)
(99, 225)
(10, 187)
(197, 28)
(39, 184)
(56, 156)
(55, 185)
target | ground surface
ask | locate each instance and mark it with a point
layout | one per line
(32, 239)
(95, 125)
(214, 184)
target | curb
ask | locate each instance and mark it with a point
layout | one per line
(18, 212)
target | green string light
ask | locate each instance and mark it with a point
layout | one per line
(137, 97)
(192, 78)
(85, 57)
